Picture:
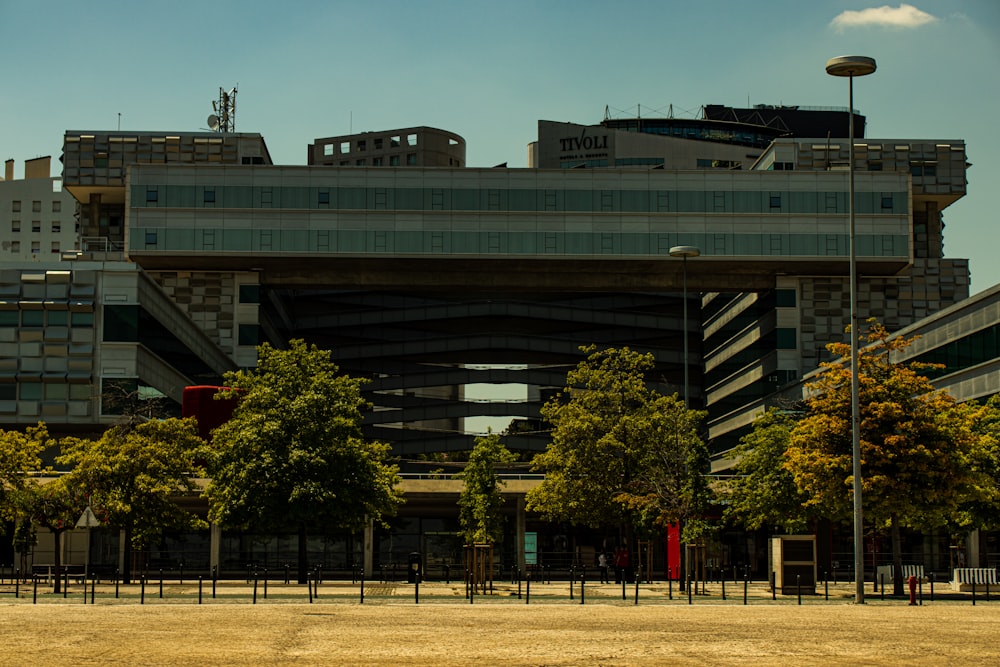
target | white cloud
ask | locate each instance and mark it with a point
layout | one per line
(904, 16)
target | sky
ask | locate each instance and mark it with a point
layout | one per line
(491, 70)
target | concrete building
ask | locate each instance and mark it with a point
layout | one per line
(408, 147)
(37, 217)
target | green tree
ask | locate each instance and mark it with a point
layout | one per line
(763, 492)
(983, 510)
(917, 448)
(621, 454)
(481, 501)
(19, 455)
(293, 456)
(134, 474)
(55, 505)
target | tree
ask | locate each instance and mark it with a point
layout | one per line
(480, 503)
(55, 505)
(293, 454)
(764, 491)
(621, 454)
(983, 511)
(916, 447)
(133, 475)
(19, 454)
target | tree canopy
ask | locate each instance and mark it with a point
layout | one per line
(918, 451)
(621, 454)
(764, 492)
(481, 501)
(19, 454)
(133, 474)
(293, 455)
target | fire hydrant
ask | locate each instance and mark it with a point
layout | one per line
(912, 581)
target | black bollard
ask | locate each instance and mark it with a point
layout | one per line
(255, 590)
(84, 589)
(265, 583)
(65, 584)
(117, 579)
(687, 583)
(973, 591)
(416, 590)
(798, 587)
(920, 589)
(161, 583)
(571, 582)
(583, 583)
(637, 590)
(932, 587)
(34, 592)
(826, 586)
(362, 586)
(670, 587)
(623, 585)
(142, 589)
(774, 592)
(447, 574)
(746, 586)
(200, 582)
(527, 589)
(309, 585)
(723, 590)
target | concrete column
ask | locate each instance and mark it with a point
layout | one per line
(369, 555)
(972, 549)
(214, 545)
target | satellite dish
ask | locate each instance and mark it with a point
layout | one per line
(213, 122)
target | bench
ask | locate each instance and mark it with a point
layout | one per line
(884, 573)
(964, 578)
(47, 571)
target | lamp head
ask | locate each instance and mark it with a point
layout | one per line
(685, 251)
(850, 66)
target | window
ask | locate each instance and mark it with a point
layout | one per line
(362, 145)
(55, 247)
(33, 318)
(378, 144)
(150, 238)
(15, 225)
(394, 142)
(15, 206)
(324, 198)
(15, 246)
(82, 319)
(345, 147)
(9, 318)
(248, 334)
(151, 195)
(56, 206)
(887, 201)
(327, 149)
(249, 293)
(209, 197)
(393, 160)
(775, 201)
(36, 226)
(56, 227)
(360, 162)
(36, 247)
(376, 162)
(784, 298)
(411, 159)
(411, 140)
(36, 206)
(785, 338)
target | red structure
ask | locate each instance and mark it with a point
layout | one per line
(200, 402)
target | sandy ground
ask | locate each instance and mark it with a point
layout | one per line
(390, 628)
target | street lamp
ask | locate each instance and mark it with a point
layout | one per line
(852, 66)
(685, 251)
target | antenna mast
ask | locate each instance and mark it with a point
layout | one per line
(223, 120)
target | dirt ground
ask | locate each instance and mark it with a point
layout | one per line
(443, 629)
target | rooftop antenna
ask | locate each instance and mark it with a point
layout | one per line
(223, 118)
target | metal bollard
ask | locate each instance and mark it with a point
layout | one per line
(798, 587)
(255, 590)
(416, 590)
(527, 589)
(200, 582)
(723, 590)
(637, 590)
(746, 586)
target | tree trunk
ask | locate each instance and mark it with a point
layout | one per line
(57, 561)
(897, 558)
(303, 556)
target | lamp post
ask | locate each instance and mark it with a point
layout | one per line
(852, 66)
(685, 251)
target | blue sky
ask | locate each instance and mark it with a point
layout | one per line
(490, 71)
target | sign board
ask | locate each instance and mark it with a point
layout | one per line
(88, 519)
